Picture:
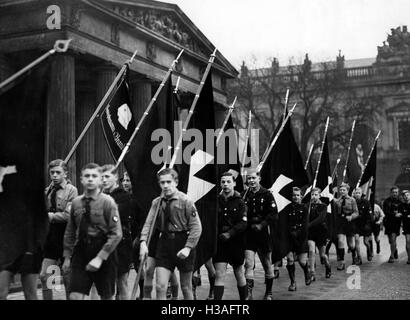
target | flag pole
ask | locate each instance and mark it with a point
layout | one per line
(321, 153)
(177, 85)
(348, 151)
(59, 46)
(318, 164)
(309, 155)
(335, 168)
(191, 110)
(286, 103)
(141, 265)
(221, 131)
(368, 158)
(101, 105)
(260, 165)
(148, 109)
(248, 135)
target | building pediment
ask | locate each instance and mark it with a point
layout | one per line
(166, 21)
(402, 108)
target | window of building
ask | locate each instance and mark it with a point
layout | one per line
(404, 133)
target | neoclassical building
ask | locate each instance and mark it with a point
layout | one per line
(104, 34)
(387, 76)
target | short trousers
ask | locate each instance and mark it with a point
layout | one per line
(231, 251)
(258, 240)
(53, 248)
(27, 263)
(169, 244)
(104, 279)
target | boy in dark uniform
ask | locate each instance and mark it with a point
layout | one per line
(232, 222)
(318, 233)
(59, 195)
(128, 211)
(180, 228)
(297, 230)
(92, 235)
(345, 211)
(405, 211)
(261, 213)
(392, 220)
(364, 225)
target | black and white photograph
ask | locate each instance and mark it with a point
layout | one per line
(205, 150)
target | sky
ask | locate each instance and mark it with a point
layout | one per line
(258, 30)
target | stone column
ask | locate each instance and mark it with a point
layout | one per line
(85, 108)
(141, 95)
(60, 135)
(105, 76)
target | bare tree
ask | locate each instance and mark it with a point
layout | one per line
(321, 90)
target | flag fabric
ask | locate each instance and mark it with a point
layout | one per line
(359, 152)
(139, 160)
(23, 216)
(117, 120)
(283, 170)
(230, 148)
(324, 177)
(368, 180)
(199, 177)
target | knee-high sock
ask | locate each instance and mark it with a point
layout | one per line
(147, 292)
(269, 283)
(305, 269)
(340, 254)
(218, 292)
(211, 285)
(242, 292)
(291, 271)
(141, 285)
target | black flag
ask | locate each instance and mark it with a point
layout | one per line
(229, 143)
(117, 120)
(23, 216)
(147, 154)
(283, 170)
(199, 177)
(368, 180)
(324, 177)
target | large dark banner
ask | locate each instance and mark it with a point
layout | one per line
(117, 120)
(199, 177)
(283, 170)
(23, 216)
(138, 162)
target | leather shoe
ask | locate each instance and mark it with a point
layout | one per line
(292, 286)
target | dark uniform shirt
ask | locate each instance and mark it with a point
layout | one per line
(232, 215)
(297, 220)
(405, 211)
(261, 207)
(390, 208)
(365, 212)
(128, 213)
(317, 217)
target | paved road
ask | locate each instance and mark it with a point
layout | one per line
(378, 280)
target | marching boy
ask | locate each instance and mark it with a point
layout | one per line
(93, 232)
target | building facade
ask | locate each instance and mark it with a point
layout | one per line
(386, 76)
(104, 34)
